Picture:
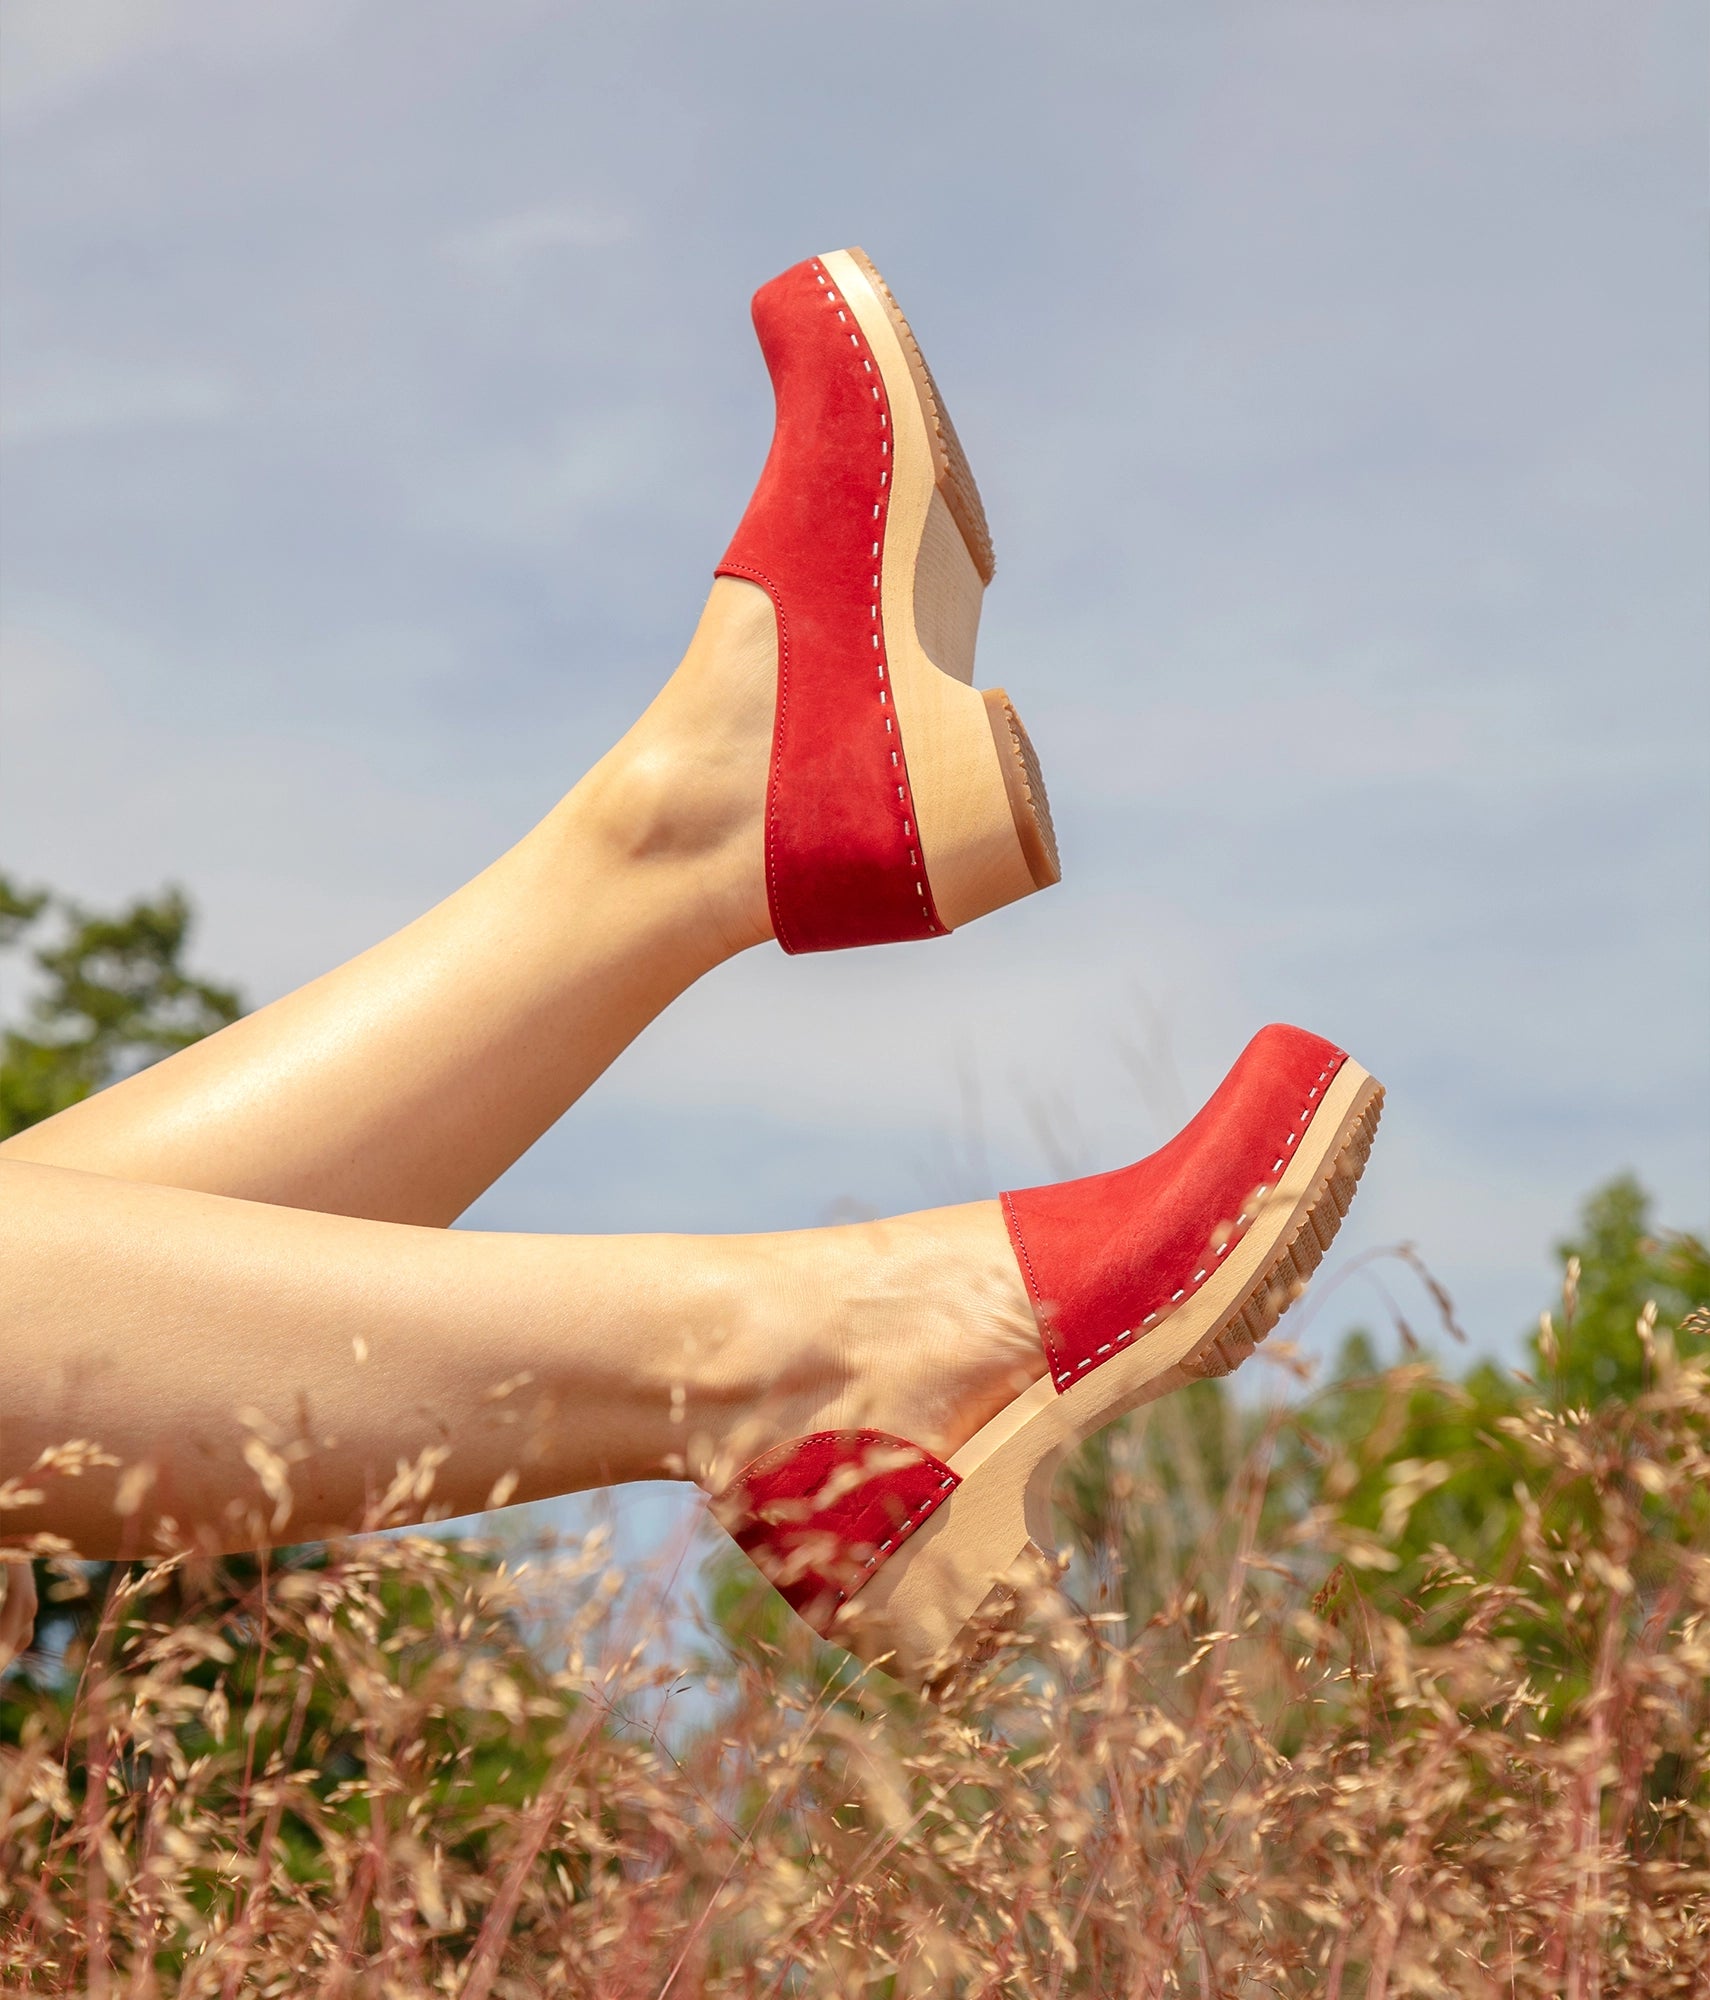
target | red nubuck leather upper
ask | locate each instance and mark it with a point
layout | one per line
(1105, 1259)
(843, 856)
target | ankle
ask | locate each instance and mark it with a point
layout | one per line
(678, 804)
(918, 1325)
(767, 1360)
(944, 1332)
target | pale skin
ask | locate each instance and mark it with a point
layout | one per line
(244, 1248)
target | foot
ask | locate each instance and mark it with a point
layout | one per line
(901, 803)
(822, 749)
(1133, 1282)
(918, 1326)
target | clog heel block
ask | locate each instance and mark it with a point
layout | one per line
(902, 801)
(1158, 1274)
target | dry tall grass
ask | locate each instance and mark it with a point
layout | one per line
(355, 1775)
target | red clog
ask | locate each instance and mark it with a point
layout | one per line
(902, 802)
(1141, 1280)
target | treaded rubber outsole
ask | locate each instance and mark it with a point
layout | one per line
(955, 476)
(1025, 782)
(1296, 1260)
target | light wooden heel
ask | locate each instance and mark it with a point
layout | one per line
(971, 1557)
(984, 823)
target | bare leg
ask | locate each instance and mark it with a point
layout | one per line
(174, 1329)
(401, 1085)
(262, 1293)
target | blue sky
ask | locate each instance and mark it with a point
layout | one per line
(377, 393)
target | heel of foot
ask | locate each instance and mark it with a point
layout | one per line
(1025, 784)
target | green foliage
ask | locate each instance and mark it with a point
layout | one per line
(19, 908)
(1615, 1265)
(114, 997)
(1426, 1467)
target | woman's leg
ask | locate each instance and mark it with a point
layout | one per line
(401, 1085)
(216, 1351)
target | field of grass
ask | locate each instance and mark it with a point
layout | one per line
(1401, 1687)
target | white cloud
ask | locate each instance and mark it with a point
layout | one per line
(532, 232)
(74, 398)
(52, 49)
(55, 51)
(299, 849)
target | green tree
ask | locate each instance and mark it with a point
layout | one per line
(1616, 1263)
(113, 996)
(1421, 1463)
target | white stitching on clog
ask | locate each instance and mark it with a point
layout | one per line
(905, 1528)
(916, 865)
